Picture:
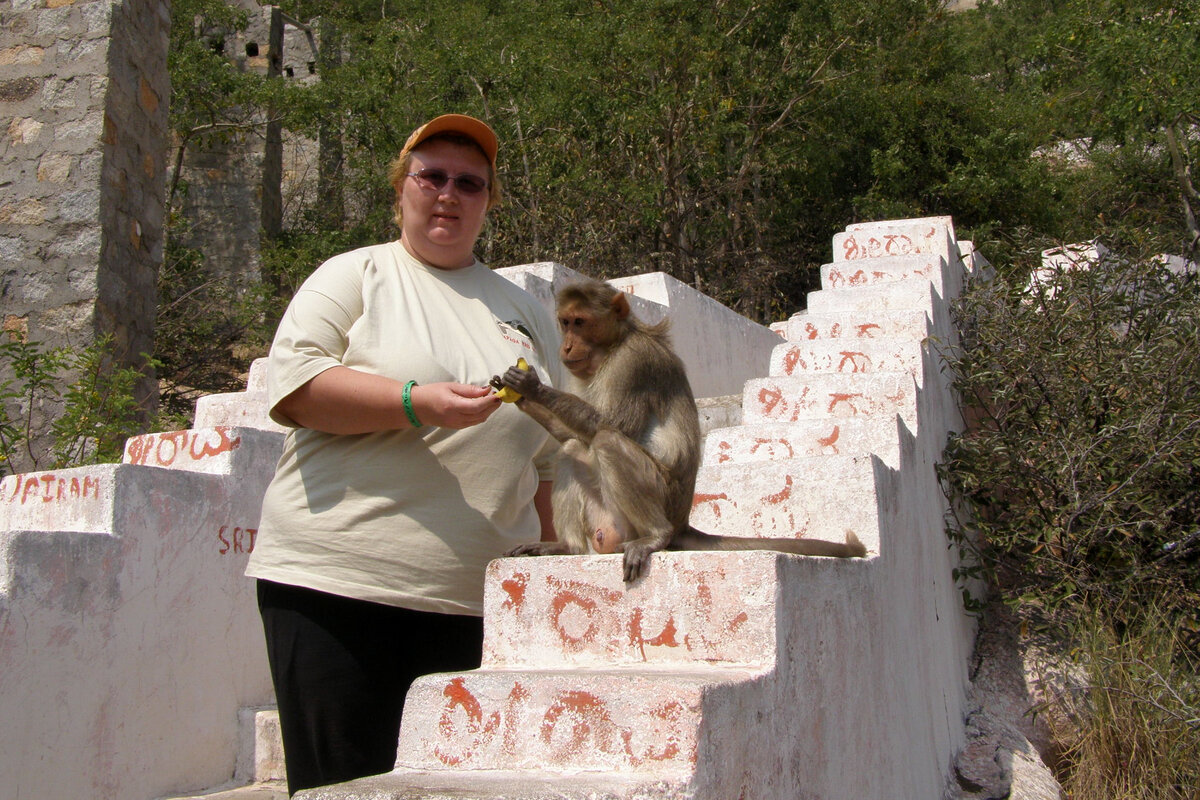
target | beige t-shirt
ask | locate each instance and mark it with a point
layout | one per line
(408, 518)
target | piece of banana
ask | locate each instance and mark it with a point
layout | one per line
(508, 395)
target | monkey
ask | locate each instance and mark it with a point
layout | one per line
(626, 473)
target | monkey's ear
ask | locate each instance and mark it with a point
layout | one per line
(620, 305)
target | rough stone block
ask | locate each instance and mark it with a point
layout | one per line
(260, 747)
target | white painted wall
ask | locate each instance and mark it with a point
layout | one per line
(129, 639)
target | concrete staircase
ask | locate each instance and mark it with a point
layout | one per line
(751, 675)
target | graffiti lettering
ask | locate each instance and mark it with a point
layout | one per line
(162, 449)
(49, 487)
(865, 330)
(831, 439)
(236, 540)
(859, 362)
(837, 398)
(791, 360)
(892, 244)
(773, 447)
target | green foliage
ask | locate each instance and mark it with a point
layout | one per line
(99, 407)
(708, 142)
(1084, 449)
(723, 143)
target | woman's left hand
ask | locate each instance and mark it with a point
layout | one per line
(453, 405)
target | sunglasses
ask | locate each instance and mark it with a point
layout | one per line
(436, 179)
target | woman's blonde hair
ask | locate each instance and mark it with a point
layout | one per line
(399, 168)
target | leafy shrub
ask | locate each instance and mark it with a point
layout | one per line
(1077, 474)
(1083, 455)
(98, 407)
(207, 330)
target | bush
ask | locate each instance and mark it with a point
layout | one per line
(98, 407)
(207, 330)
(1083, 455)
(1077, 477)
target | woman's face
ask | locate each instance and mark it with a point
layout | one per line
(440, 226)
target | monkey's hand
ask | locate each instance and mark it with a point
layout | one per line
(637, 557)
(506, 394)
(524, 382)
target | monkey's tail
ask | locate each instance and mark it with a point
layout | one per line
(692, 539)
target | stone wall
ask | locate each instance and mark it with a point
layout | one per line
(83, 104)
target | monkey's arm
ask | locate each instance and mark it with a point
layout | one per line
(563, 414)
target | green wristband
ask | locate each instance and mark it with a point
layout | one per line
(406, 396)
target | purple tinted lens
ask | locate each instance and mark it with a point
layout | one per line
(465, 183)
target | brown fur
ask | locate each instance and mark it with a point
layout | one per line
(631, 440)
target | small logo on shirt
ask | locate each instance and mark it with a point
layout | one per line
(514, 331)
(517, 324)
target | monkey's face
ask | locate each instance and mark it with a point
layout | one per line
(580, 357)
(585, 339)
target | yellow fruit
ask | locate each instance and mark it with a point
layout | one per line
(508, 395)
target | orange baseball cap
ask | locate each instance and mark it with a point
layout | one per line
(477, 130)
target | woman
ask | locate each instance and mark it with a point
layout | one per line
(391, 495)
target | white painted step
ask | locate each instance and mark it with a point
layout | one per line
(637, 720)
(504, 785)
(694, 608)
(864, 324)
(901, 237)
(847, 355)
(868, 272)
(780, 441)
(829, 396)
(898, 296)
(818, 498)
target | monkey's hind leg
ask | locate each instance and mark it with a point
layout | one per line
(633, 487)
